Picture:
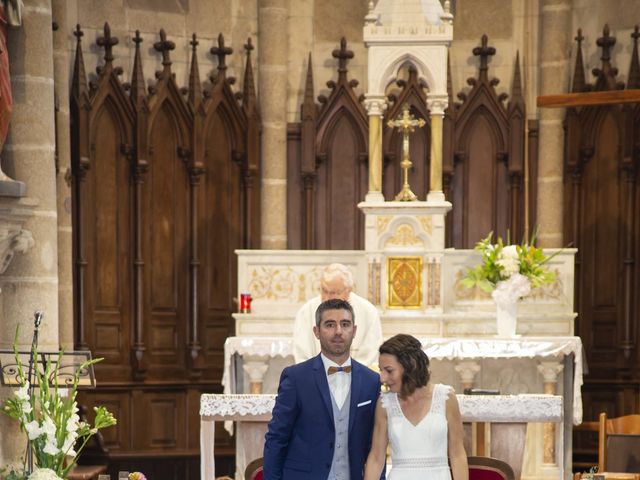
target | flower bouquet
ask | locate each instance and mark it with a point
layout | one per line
(508, 272)
(49, 417)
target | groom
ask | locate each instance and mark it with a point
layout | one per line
(323, 416)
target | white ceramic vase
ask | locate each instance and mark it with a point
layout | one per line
(507, 318)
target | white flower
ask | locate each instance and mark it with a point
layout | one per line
(68, 444)
(49, 428)
(33, 429)
(26, 406)
(509, 261)
(509, 291)
(510, 251)
(23, 392)
(44, 474)
(50, 447)
(73, 423)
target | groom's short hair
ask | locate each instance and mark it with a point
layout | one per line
(334, 304)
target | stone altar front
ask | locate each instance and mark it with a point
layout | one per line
(508, 416)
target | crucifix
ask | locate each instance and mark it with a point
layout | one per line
(406, 124)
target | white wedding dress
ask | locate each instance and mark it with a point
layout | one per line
(418, 451)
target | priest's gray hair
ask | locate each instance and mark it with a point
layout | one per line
(338, 270)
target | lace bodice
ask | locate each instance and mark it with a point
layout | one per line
(418, 449)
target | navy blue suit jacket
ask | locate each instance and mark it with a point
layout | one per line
(300, 438)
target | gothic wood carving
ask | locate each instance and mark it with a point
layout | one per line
(166, 187)
(483, 165)
(331, 163)
(601, 208)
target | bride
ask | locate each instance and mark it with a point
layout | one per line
(420, 420)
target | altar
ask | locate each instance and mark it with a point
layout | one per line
(416, 283)
(507, 416)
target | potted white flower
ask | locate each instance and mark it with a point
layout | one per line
(509, 273)
(49, 417)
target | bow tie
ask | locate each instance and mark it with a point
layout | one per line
(332, 370)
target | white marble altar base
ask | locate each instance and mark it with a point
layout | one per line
(508, 414)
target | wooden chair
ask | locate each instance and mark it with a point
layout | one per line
(607, 476)
(487, 468)
(254, 470)
(619, 444)
(86, 472)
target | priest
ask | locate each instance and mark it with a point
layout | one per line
(337, 282)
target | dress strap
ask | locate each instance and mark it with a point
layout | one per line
(439, 400)
(390, 404)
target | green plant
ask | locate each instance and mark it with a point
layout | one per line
(49, 416)
(501, 262)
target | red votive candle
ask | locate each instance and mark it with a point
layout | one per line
(245, 303)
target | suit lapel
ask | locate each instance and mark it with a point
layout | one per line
(356, 383)
(323, 386)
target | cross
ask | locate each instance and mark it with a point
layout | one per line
(606, 42)
(342, 55)
(221, 51)
(194, 42)
(606, 97)
(484, 52)
(107, 41)
(137, 39)
(406, 124)
(248, 46)
(78, 33)
(164, 46)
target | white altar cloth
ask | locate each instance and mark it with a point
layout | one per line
(435, 348)
(473, 408)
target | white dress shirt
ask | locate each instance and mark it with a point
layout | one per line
(339, 382)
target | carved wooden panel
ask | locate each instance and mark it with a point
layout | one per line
(483, 160)
(601, 211)
(483, 164)
(331, 166)
(166, 187)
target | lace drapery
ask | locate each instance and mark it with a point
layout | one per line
(473, 408)
(437, 349)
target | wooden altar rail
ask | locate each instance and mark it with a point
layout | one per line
(507, 414)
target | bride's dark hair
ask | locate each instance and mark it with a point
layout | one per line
(408, 352)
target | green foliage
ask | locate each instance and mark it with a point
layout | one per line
(500, 262)
(49, 416)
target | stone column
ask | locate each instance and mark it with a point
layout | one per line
(272, 92)
(256, 367)
(467, 371)
(555, 49)
(437, 105)
(31, 281)
(477, 445)
(550, 371)
(61, 64)
(375, 105)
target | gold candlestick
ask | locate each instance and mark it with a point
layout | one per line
(406, 123)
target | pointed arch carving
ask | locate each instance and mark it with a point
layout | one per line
(330, 170)
(600, 218)
(411, 93)
(500, 181)
(166, 187)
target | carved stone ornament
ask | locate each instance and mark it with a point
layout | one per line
(13, 238)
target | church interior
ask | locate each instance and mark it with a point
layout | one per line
(167, 162)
